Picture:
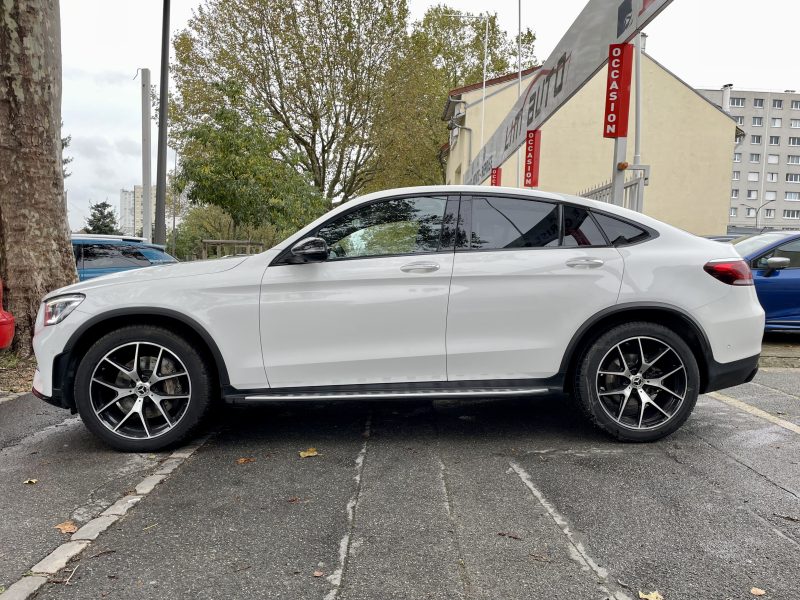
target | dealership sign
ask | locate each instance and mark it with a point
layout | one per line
(618, 90)
(497, 176)
(580, 54)
(533, 145)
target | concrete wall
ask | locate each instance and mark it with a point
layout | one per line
(687, 141)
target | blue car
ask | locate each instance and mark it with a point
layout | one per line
(97, 255)
(774, 258)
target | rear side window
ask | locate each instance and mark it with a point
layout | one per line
(513, 223)
(580, 228)
(620, 233)
(156, 256)
(112, 256)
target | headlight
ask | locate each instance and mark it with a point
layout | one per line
(57, 309)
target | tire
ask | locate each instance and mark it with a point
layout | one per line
(670, 382)
(158, 406)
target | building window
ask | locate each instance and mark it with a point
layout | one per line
(791, 214)
(774, 140)
(737, 157)
(773, 159)
(777, 104)
(755, 139)
(770, 196)
(734, 194)
(755, 158)
(792, 196)
(777, 122)
(793, 159)
(794, 141)
(758, 103)
(758, 121)
(769, 213)
(733, 211)
(737, 102)
(739, 120)
(751, 212)
(772, 177)
(795, 104)
(793, 178)
(737, 175)
(795, 123)
(752, 194)
(752, 176)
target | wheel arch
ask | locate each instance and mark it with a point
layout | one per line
(662, 314)
(65, 364)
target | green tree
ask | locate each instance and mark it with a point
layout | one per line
(313, 68)
(233, 162)
(102, 219)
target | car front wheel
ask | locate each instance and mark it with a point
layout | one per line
(142, 388)
(638, 381)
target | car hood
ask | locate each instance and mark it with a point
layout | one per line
(168, 271)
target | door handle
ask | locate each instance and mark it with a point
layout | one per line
(585, 263)
(420, 267)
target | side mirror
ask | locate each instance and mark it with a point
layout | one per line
(311, 249)
(776, 263)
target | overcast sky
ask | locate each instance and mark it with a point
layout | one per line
(708, 43)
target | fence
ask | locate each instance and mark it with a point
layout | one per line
(633, 196)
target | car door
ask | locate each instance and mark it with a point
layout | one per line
(527, 274)
(779, 290)
(375, 311)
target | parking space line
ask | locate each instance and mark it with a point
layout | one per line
(578, 552)
(83, 538)
(335, 578)
(756, 412)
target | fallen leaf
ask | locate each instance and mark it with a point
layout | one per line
(540, 558)
(650, 596)
(757, 592)
(308, 453)
(294, 499)
(788, 517)
(318, 573)
(67, 527)
(31, 481)
(244, 461)
(510, 535)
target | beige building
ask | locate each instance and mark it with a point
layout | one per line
(686, 139)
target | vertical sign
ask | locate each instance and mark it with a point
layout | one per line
(533, 146)
(618, 90)
(497, 174)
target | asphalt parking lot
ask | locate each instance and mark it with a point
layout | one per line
(488, 499)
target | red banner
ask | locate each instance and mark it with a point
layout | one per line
(533, 146)
(497, 174)
(618, 90)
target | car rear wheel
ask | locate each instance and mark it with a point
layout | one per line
(638, 381)
(142, 388)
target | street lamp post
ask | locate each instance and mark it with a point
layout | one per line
(758, 210)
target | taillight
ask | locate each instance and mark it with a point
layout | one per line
(732, 272)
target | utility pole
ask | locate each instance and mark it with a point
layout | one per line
(160, 236)
(146, 181)
(519, 82)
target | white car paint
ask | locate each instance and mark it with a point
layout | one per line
(480, 315)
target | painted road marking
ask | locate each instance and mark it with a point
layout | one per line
(756, 412)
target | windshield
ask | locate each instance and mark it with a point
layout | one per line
(748, 245)
(156, 256)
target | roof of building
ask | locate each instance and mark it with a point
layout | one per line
(455, 93)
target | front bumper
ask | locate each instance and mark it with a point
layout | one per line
(725, 375)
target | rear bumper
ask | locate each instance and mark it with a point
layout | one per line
(725, 375)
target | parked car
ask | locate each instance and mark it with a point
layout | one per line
(774, 258)
(97, 255)
(429, 292)
(6, 324)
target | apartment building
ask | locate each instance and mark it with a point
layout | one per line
(130, 209)
(765, 167)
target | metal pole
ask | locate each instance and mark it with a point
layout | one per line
(174, 202)
(617, 176)
(637, 151)
(161, 169)
(519, 80)
(146, 182)
(485, 60)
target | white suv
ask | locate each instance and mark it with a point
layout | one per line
(429, 292)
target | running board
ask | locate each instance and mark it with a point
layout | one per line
(285, 396)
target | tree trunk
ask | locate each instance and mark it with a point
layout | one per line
(35, 250)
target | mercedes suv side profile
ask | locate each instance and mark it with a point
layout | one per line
(428, 292)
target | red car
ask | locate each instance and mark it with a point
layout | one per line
(6, 323)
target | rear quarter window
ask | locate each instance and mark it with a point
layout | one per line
(621, 233)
